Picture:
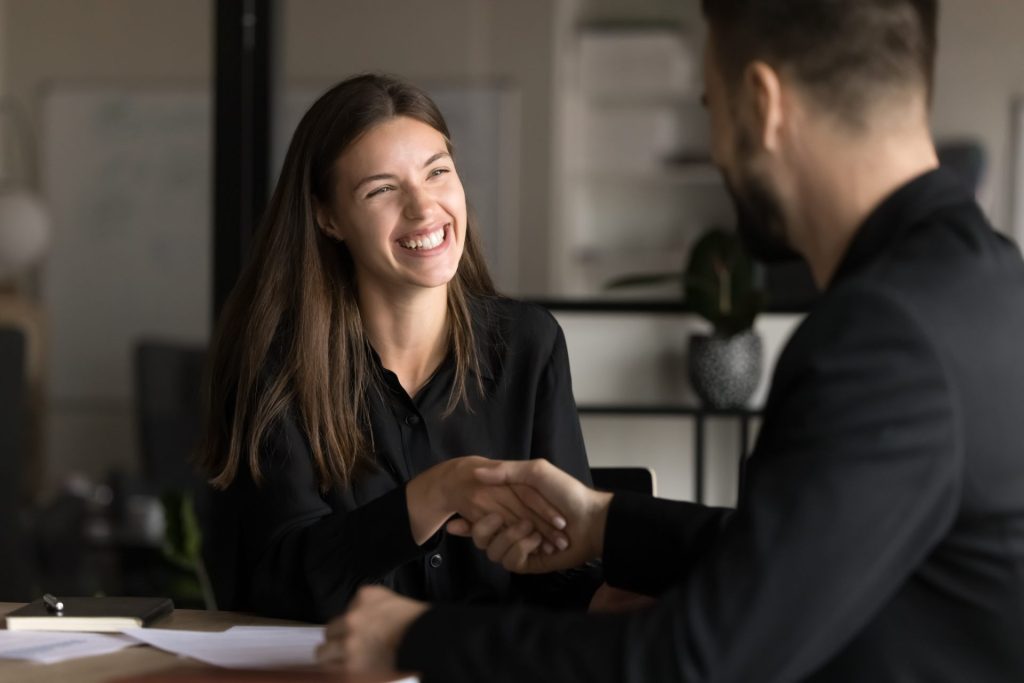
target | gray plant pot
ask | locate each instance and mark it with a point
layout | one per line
(725, 371)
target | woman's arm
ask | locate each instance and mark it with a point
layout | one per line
(297, 555)
(303, 559)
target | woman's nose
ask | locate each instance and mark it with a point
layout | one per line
(418, 203)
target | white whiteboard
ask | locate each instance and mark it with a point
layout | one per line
(126, 174)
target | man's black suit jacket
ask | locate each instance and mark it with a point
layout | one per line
(879, 534)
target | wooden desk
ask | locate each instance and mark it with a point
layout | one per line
(133, 660)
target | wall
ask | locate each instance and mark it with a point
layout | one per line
(3, 79)
(452, 40)
(105, 40)
(978, 73)
(3, 46)
(96, 42)
(980, 68)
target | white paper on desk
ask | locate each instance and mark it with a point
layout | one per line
(50, 647)
(240, 647)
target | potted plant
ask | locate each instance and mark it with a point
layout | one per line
(719, 284)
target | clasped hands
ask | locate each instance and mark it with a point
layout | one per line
(530, 517)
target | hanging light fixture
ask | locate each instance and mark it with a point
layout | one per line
(24, 220)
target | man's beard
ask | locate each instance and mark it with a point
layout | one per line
(759, 221)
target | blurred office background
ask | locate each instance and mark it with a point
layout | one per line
(583, 146)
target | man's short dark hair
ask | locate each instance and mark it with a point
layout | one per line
(844, 52)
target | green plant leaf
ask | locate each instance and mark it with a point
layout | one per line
(641, 280)
(719, 282)
(183, 537)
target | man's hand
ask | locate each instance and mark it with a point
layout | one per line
(365, 639)
(515, 546)
(452, 487)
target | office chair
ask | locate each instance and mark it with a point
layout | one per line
(635, 479)
(168, 378)
(965, 158)
(168, 404)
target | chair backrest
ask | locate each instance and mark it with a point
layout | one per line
(965, 158)
(16, 566)
(168, 380)
(635, 479)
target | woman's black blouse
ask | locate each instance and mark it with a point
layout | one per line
(284, 549)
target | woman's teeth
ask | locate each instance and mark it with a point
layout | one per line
(428, 241)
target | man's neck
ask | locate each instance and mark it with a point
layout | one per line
(847, 181)
(408, 330)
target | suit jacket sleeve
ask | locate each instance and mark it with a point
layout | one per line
(304, 559)
(651, 542)
(853, 482)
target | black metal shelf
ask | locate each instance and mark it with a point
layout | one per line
(699, 415)
(665, 410)
(655, 306)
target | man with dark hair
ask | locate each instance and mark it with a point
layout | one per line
(842, 53)
(879, 533)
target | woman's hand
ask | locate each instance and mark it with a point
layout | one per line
(585, 509)
(453, 488)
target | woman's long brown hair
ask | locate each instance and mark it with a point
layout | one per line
(290, 339)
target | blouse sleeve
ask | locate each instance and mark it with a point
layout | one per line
(557, 437)
(556, 427)
(295, 556)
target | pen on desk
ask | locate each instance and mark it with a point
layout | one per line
(52, 603)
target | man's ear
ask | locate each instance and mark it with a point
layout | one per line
(327, 224)
(764, 89)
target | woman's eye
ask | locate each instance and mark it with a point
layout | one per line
(438, 171)
(379, 190)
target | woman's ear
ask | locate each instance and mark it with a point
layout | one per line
(327, 224)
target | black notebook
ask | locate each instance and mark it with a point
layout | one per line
(89, 614)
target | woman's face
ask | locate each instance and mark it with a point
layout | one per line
(399, 206)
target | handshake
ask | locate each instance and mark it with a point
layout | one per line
(530, 517)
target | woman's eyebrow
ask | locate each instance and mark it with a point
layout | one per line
(391, 176)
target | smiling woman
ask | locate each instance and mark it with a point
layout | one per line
(400, 208)
(364, 367)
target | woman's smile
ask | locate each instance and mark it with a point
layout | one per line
(428, 242)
